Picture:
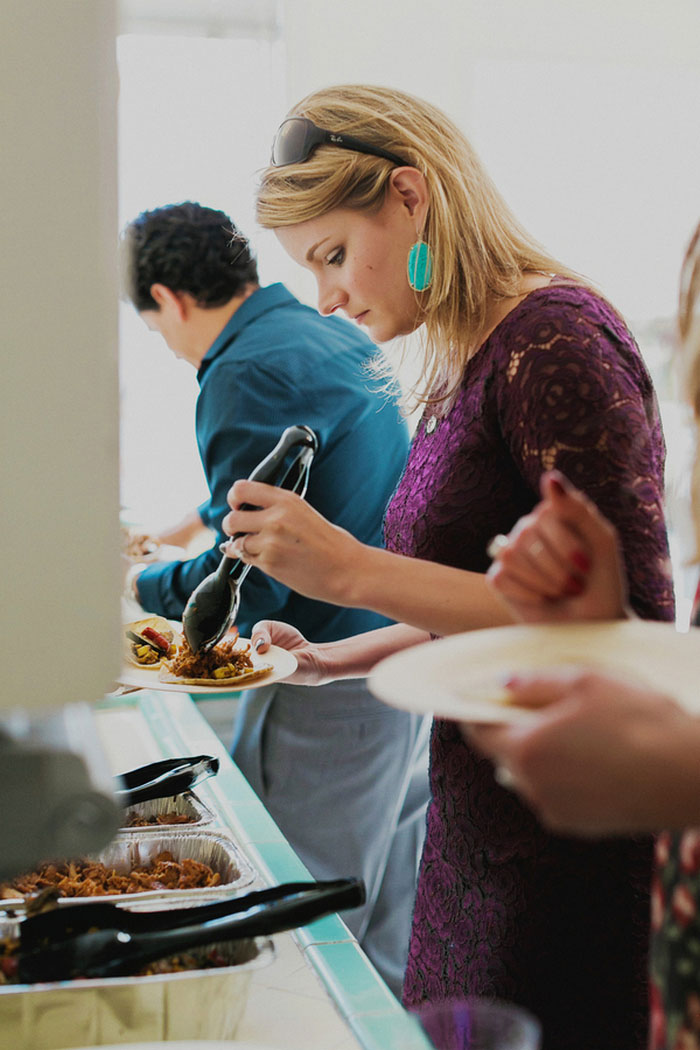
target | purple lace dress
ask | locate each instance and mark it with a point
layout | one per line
(504, 908)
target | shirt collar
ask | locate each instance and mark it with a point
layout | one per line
(260, 302)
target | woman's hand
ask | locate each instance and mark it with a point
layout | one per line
(292, 542)
(310, 669)
(562, 562)
(321, 662)
(605, 756)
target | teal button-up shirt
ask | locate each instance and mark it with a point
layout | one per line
(278, 363)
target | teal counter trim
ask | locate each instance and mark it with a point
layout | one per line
(377, 1020)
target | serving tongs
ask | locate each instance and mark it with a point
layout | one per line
(212, 606)
(163, 779)
(104, 940)
(139, 640)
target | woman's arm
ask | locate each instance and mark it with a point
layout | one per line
(321, 662)
(290, 541)
(592, 415)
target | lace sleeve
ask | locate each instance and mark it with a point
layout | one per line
(575, 396)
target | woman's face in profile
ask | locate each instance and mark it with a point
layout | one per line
(359, 260)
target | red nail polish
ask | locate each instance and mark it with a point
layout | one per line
(581, 561)
(557, 486)
(573, 587)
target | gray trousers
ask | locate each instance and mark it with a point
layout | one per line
(346, 780)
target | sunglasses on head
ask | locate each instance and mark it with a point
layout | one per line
(298, 137)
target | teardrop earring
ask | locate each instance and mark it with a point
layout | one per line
(420, 266)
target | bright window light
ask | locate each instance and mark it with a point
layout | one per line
(196, 117)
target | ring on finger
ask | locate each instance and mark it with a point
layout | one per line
(235, 547)
(496, 545)
(503, 776)
(536, 548)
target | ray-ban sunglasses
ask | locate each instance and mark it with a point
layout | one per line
(298, 137)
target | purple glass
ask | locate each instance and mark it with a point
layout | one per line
(479, 1024)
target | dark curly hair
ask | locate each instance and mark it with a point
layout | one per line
(188, 248)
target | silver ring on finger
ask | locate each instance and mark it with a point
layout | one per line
(503, 776)
(496, 545)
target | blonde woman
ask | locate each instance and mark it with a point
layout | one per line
(525, 368)
(608, 756)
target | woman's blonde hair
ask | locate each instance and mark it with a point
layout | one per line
(689, 327)
(479, 248)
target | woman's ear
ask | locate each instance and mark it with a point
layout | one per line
(410, 186)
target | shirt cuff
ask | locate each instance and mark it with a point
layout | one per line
(130, 579)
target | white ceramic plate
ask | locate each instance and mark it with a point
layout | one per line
(462, 677)
(191, 1044)
(283, 665)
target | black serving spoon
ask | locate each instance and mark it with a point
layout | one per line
(212, 606)
(119, 943)
(163, 779)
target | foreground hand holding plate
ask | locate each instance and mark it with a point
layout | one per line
(205, 1044)
(463, 677)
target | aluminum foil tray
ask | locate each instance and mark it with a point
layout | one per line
(129, 849)
(187, 805)
(193, 1004)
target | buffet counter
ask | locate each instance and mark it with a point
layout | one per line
(320, 992)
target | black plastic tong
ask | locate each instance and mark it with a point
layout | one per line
(170, 776)
(212, 606)
(103, 940)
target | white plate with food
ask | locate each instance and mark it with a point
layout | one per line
(261, 669)
(463, 677)
(204, 1044)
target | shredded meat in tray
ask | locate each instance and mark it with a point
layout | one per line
(205, 960)
(133, 820)
(93, 879)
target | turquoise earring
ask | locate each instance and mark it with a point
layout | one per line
(420, 266)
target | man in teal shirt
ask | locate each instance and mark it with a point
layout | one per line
(343, 776)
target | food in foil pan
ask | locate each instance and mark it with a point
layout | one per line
(151, 863)
(187, 1005)
(214, 957)
(9, 947)
(170, 816)
(205, 1003)
(205, 959)
(161, 812)
(88, 878)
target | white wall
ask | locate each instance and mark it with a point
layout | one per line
(586, 113)
(194, 118)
